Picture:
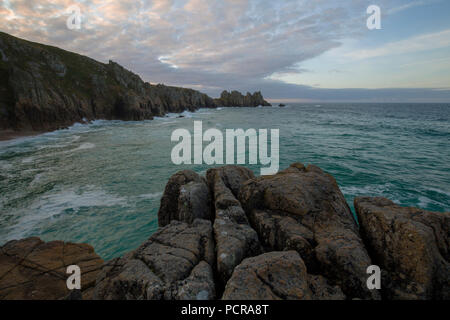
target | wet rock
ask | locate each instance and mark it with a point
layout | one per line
(31, 269)
(302, 208)
(186, 198)
(159, 268)
(410, 245)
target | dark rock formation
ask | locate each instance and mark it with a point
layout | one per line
(235, 239)
(186, 198)
(237, 236)
(236, 99)
(175, 263)
(275, 276)
(303, 209)
(410, 245)
(34, 270)
(43, 88)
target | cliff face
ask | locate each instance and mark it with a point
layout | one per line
(236, 99)
(234, 236)
(44, 88)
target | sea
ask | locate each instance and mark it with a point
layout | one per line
(101, 183)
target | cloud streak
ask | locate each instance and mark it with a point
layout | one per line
(205, 44)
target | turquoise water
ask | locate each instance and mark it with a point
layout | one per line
(101, 183)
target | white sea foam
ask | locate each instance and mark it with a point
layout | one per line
(150, 196)
(37, 179)
(84, 146)
(53, 203)
(368, 190)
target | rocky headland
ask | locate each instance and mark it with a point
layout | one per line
(43, 88)
(237, 99)
(231, 235)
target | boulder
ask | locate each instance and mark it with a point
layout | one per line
(186, 198)
(270, 276)
(170, 265)
(277, 276)
(31, 269)
(302, 208)
(410, 245)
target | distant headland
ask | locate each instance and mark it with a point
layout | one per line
(44, 88)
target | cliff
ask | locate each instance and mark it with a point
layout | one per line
(236, 99)
(231, 235)
(43, 88)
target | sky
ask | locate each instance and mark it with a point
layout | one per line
(291, 50)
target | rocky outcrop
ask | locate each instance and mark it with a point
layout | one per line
(302, 209)
(237, 99)
(175, 263)
(411, 246)
(43, 88)
(237, 236)
(35, 270)
(186, 198)
(235, 239)
(278, 276)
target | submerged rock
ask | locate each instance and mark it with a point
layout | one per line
(410, 245)
(31, 269)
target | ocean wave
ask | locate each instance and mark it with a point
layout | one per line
(150, 196)
(439, 191)
(368, 190)
(54, 203)
(84, 146)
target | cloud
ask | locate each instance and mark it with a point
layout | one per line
(411, 4)
(204, 44)
(418, 43)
